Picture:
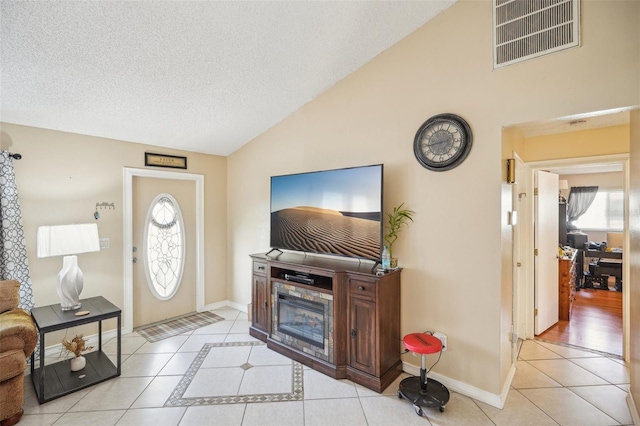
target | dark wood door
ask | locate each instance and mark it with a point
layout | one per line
(261, 308)
(362, 349)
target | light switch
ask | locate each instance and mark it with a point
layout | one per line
(104, 243)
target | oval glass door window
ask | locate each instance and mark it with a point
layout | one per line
(164, 243)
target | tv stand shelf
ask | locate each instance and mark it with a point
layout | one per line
(365, 314)
(304, 279)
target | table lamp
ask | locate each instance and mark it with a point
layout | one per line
(67, 241)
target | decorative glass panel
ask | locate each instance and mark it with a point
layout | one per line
(164, 246)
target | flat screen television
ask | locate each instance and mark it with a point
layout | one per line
(335, 212)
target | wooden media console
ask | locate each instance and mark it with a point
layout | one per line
(360, 337)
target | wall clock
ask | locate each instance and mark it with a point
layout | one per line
(442, 142)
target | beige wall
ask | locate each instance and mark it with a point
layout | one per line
(62, 176)
(456, 256)
(583, 143)
(454, 260)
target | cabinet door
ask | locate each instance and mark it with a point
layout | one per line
(261, 298)
(362, 348)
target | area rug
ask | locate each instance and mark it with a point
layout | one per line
(178, 399)
(175, 326)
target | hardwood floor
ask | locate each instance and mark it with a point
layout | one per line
(596, 322)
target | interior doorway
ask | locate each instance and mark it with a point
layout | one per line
(552, 142)
(597, 314)
(599, 321)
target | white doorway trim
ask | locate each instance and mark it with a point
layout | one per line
(129, 174)
(523, 253)
(615, 158)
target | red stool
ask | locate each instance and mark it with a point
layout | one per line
(421, 391)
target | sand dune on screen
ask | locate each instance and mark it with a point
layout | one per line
(315, 230)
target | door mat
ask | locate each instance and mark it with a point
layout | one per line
(175, 326)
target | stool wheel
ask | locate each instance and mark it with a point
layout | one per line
(418, 410)
(442, 409)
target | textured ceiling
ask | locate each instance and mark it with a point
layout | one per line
(205, 76)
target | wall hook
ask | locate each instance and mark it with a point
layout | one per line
(103, 205)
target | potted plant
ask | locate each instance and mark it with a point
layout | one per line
(77, 346)
(398, 218)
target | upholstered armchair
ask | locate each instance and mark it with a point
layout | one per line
(18, 339)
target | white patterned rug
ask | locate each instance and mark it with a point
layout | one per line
(182, 396)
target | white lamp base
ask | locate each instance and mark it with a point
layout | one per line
(70, 283)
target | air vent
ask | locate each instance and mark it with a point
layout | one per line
(525, 29)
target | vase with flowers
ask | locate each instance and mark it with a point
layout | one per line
(77, 346)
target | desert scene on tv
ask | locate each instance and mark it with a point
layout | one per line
(335, 212)
(317, 230)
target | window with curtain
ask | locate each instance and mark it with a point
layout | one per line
(606, 213)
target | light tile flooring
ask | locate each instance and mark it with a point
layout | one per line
(553, 385)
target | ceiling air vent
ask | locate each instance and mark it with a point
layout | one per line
(526, 29)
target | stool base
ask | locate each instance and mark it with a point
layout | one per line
(435, 395)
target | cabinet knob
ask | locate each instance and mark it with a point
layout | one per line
(360, 288)
(265, 304)
(353, 332)
(261, 268)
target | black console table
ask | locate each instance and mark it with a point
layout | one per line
(56, 380)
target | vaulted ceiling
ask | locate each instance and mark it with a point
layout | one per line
(204, 76)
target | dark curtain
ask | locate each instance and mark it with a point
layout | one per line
(580, 198)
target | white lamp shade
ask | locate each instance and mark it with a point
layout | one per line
(563, 184)
(62, 240)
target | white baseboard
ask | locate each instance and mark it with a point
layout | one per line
(465, 388)
(633, 409)
(507, 386)
(226, 304)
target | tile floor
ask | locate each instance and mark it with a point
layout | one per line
(553, 385)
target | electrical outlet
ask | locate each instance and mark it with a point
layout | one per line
(443, 339)
(104, 243)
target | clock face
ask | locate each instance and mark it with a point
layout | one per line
(442, 142)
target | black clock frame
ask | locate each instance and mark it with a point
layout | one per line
(466, 141)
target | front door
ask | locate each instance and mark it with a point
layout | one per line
(546, 245)
(147, 306)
